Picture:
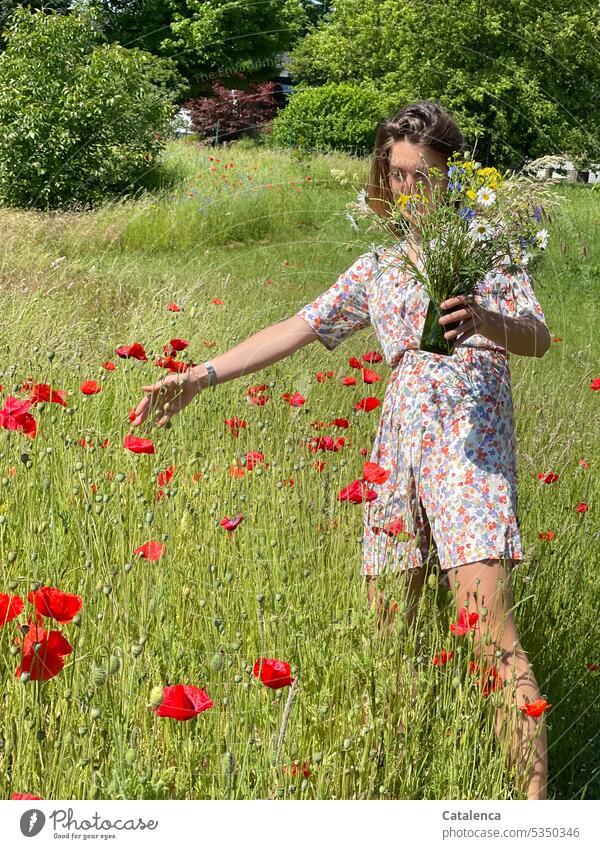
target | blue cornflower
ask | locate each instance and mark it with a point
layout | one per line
(466, 212)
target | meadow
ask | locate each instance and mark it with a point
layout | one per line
(242, 238)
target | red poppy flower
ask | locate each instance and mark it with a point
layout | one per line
(593, 667)
(536, 708)
(109, 366)
(295, 400)
(349, 381)
(368, 404)
(43, 653)
(294, 769)
(340, 423)
(15, 416)
(442, 658)
(217, 301)
(138, 445)
(372, 357)
(354, 362)
(370, 376)
(489, 680)
(548, 477)
(374, 473)
(136, 351)
(171, 364)
(174, 308)
(254, 458)
(150, 550)
(25, 796)
(52, 602)
(43, 392)
(466, 622)
(274, 673)
(231, 524)
(584, 463)
(357, 492)
(581, 507)
(165, 477)
(90, 387)
(595, 384)
(174, 346)
(10, 607)
(255, 395)
(547, 535)
(183, 701)
(234, 424)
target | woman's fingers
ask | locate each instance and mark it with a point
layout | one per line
(465, 326)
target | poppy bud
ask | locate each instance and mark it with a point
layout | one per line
(130, 757)
(95, 713)
(137, 649)
(217, 662)
(24, 677)
(99, 676)
(114, 664)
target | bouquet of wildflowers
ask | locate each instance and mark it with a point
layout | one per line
(481, 221)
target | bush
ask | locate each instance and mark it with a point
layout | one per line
(78, 121)
(237, 112)
(336, 116)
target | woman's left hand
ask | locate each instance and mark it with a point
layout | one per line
(472, 317)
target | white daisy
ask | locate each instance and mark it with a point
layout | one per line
(486, 196)
(361, 200)
(480, 230)
(541, 238)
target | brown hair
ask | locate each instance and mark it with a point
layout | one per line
(423, 122)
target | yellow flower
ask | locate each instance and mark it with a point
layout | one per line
(403, 199)
(471, 194)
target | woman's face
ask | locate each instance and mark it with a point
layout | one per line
(409, 163)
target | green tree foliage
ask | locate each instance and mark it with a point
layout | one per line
(336, 116)
(521, 75)
(136, 23)
(78, 120)
(7, 7)
(214, 38)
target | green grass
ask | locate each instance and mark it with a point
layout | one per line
(286, 584)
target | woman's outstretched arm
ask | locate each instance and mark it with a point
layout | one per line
(172, 393)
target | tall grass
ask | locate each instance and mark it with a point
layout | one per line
(286, 583)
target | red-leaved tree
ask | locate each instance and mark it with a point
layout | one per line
(231, 113)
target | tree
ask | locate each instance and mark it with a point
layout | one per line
(521, 75)
(7, 7)
(221, 38)
(78, 120)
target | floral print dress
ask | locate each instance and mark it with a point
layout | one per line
(446, 431)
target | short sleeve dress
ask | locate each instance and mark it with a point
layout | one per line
(446, 431)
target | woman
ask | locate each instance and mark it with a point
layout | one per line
(446, 431)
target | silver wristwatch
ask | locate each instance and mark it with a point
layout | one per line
(212, 375)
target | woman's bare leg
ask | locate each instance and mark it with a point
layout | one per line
(487, 583)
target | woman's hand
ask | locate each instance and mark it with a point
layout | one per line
(170, 395)
(472, 316)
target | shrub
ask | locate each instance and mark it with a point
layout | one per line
(78, 121)
(238, 112)
(336, 116)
